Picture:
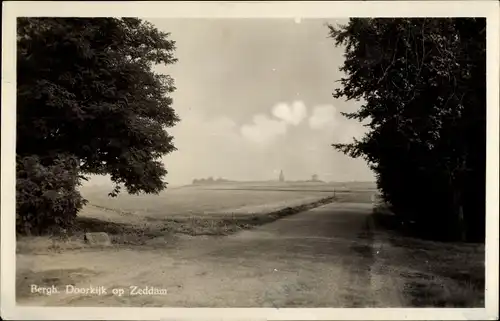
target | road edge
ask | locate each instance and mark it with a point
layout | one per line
(386, 284)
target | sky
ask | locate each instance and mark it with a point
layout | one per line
(255, 97)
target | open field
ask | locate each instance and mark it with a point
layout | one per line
(214, 200)
(204, 201)
(215, 210)
(218, 209)
(208, 210)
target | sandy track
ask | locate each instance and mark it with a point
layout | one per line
(325, 257)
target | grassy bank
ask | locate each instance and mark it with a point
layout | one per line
(436, 274)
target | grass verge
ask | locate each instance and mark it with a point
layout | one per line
(435, 274)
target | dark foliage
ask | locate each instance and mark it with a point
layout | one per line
(46, 194)
(423, 82)
(86, 89)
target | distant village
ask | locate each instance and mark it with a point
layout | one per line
(281, 178)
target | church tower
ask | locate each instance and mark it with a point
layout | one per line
(282, 177)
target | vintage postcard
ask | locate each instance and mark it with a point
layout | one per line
(250, 160)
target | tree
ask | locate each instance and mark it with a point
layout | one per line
(86, 91)
(423, 84)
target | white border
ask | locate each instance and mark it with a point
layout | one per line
(341, 9)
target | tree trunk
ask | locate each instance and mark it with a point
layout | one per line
(461, 224)
(458, 216)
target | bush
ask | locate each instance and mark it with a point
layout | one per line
(46, 194)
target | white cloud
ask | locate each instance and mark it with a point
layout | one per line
(292, 114)
(323, 116)
(263, 129)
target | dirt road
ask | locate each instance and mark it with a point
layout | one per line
(325, 257)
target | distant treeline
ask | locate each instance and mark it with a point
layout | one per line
(309, 181)
(210, 180)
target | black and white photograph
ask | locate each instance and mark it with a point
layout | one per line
(324, 160)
